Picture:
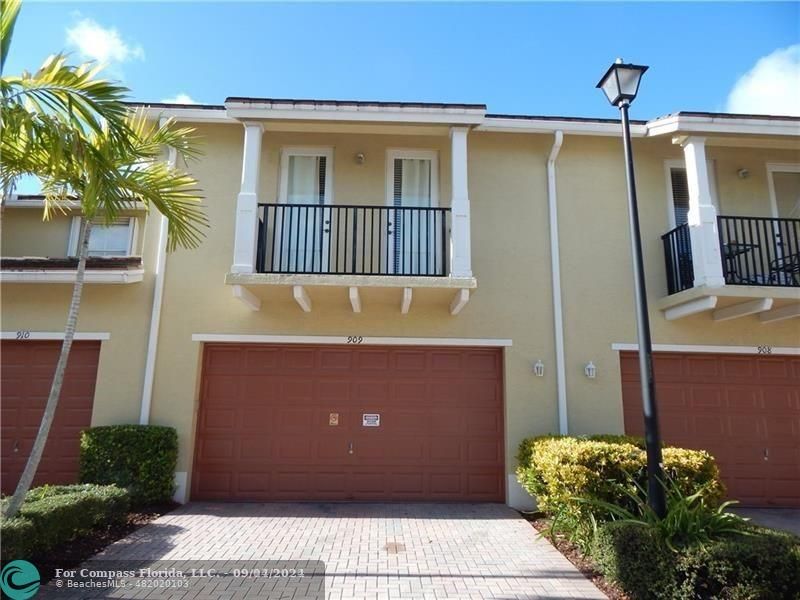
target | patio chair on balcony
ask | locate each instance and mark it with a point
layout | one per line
(785, 270)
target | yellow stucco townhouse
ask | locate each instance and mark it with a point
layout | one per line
(391, 296)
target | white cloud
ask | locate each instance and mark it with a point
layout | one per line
(180, 99)
(105, 45)
(771, 87)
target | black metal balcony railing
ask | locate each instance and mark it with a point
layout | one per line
(353, 240)
(678, 256)
(760, 250)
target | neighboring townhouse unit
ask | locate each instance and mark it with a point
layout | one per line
(391, 296)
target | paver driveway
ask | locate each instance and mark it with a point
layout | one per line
(373, 550)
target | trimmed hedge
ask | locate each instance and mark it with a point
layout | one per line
(565, 474)
(759, 564)
(53, 515)
(140, 458)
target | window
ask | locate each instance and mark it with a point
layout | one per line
(116, 239)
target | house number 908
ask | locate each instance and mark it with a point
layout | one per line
(354, 339)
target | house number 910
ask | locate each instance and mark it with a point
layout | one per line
(23, 334)
(354, 339)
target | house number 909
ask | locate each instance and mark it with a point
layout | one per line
(354, 339)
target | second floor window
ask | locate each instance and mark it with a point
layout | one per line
(116, 239)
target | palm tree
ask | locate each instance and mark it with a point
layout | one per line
(74, 131)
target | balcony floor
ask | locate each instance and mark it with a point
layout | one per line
(769, 304)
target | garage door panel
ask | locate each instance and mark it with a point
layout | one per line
(440, 434)
(776, 368)
(370, 361)
(219, 389)
(411, 360)
(484, 422)
(737, 367)
(741, 409)
(297, 359)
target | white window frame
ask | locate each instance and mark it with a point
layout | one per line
(431, 155)
(288, 151)
(677, 163)
(75, 234)
(778, 168)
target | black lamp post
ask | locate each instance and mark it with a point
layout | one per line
(620, 84)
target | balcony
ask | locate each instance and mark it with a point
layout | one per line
(368, 249)
(759, 260)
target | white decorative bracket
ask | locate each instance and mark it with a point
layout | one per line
(405, 305)
(459, 301)
(246, 296)
(690, 308)
(780, 314)
(742, 310)
(355, 299)
(301, 297)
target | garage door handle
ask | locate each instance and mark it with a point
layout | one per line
(16, 445)
(766, 453)
(350, 448)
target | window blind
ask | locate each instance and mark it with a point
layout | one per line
(680, 195)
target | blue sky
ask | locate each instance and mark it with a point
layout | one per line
(532, 58)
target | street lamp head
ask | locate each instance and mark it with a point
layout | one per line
(620, 84)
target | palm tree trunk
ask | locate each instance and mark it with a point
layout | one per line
(58, 378)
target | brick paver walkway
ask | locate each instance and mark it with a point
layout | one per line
(372, 551)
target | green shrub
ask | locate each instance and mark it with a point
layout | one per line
(140, 458)
(762, 565)
(17, 538)
(53, 515)
(567, 474)
(633, 557)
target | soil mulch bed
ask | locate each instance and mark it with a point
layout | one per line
(72, 554)
(573, 554)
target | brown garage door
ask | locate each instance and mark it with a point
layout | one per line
(25, 378)
(745, 410)
(292, 423)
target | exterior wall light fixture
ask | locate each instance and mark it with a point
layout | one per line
(538, 368)
(590, 370)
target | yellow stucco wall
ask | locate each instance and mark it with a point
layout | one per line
(510, 259)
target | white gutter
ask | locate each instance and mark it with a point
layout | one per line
(558, 316)
(155, 314)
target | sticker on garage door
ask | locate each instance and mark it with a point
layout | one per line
(371, 420)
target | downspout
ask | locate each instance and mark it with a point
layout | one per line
(558, 316)
(155, 314)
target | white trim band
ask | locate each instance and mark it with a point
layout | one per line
(342, 339)
(795, 351)
(23, 335)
